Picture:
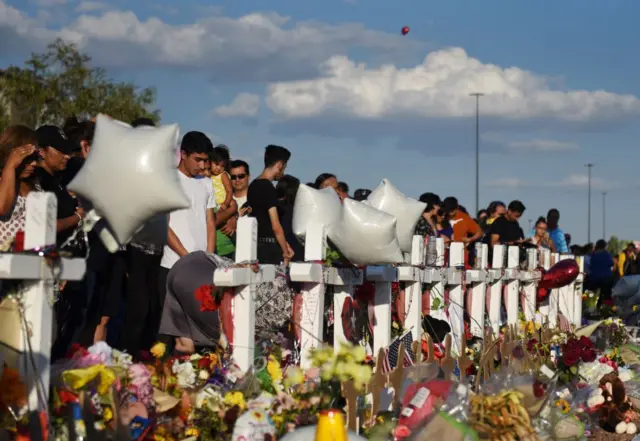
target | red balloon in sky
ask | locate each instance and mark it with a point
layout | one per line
(405, 30)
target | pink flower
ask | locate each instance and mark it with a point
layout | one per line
(140, 384)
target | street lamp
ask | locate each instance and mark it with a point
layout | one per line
(589, 167)
(604, 215)
(477, 95)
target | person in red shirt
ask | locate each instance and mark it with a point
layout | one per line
(465, 229)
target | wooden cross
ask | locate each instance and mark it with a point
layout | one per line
(396, 378)
(507, 345)
(448, 363)
(350, 393)
(431, 353)
(417, 351)
(487, 359)
(377, 384)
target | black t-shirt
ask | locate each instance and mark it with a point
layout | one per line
(509, 231)
(66, 203)
(261, 196)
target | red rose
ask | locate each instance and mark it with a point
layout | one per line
(76, 350)
(586, 342)
(204, 295)
(572, 345)
(539, 389)
(204, 363)
(570, 358)
(532, 345)
(588, 355)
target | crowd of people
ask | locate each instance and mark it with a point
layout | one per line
(129, 297)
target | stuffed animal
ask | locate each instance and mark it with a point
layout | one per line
(616, 413)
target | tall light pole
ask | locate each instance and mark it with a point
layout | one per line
(604, 215)
(589, 167)
(477, 95)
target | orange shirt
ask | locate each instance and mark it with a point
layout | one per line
(463, 226)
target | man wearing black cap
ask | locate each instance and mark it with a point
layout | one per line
(56, 150)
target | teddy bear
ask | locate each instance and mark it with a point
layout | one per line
(616, 411)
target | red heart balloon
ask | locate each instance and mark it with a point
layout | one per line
(559, 275)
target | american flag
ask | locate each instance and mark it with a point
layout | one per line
(391, 353)
(564, 324)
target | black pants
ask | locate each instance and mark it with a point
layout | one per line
(141, 304)
(69, 312)
(106, 299)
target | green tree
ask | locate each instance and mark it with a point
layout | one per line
(61, 82)
(615, 245)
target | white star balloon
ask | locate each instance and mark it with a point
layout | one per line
(407, 211)
(130, 175)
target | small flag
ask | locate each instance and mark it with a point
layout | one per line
(391, 353)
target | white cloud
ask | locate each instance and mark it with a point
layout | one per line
(542, 145)
(440, 88)
(574, 181)
(529, 145)
(50, 3)
(245, 104)
(88, 6)
(257, 46)
(507, 182)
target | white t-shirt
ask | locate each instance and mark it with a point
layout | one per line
(240, 200)
(190, 224)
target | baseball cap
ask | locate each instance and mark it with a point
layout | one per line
(52, 136)
(361, 194)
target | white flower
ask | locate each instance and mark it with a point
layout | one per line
(185, 374)
(122, 358)
(209, 397)
(203, 375)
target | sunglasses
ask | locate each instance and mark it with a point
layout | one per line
(240, 176)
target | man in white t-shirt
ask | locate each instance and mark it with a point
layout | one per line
(193, 228)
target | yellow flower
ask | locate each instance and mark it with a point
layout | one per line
(530, 327)
(563, 405)
(214, 360)
(294, 376)
(359, 353)
(158, 350)
(273, 369)
(192, 431)
(277, 419)
(235, 399)
(108, 414)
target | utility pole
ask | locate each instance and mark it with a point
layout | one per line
(604, 215)
(589, 167)
(477, 95)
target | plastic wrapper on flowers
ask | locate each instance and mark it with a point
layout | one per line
(448, 422)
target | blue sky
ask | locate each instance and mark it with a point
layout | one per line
(336, 83)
